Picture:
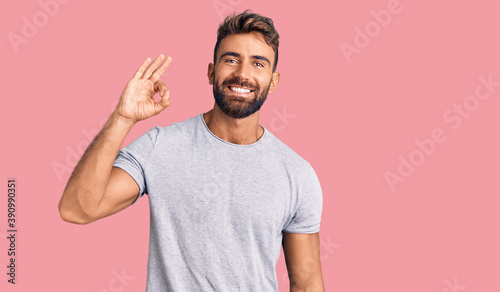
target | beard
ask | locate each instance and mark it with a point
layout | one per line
(237, 106)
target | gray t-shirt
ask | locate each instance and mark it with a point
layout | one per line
(218, 209)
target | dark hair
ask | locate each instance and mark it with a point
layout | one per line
(247, 23)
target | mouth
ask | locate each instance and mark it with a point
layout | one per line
(240, 90)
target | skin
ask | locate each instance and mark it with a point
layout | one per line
(247, 68)
(112, 189)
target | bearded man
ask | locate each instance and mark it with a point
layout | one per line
(224, 193)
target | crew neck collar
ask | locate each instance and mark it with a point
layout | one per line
(229, 143)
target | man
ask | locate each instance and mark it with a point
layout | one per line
(224, 193)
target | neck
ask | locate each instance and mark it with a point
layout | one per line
(237, 131)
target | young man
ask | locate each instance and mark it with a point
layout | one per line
(224, 193)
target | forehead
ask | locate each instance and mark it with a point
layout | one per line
(248, 44)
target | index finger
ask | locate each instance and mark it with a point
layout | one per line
(141, 69)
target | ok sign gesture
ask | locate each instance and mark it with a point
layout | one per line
(137, 102)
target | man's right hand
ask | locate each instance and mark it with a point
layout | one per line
(96, 188)
(137, 102)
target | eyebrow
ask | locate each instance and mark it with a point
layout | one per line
(234, 54)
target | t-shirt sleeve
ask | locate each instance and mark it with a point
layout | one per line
(135, 157)
(307, 217)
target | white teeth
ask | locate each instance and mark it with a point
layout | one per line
(240, 90)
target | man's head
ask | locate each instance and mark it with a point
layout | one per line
(245, 59)
(249, 23)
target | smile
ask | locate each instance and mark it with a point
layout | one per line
(240, 90)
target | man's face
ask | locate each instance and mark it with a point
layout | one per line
(243, 74)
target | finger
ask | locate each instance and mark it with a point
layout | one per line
(141, 69)
(152, 67)
(158, 72)
(160, 87)
(165, 100)
(163, 103)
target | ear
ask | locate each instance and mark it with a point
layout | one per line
(210, 74)
(274, 82)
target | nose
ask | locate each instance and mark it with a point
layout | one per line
(243, 71)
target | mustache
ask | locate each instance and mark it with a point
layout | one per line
(237, 82)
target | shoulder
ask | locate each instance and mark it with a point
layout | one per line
(177, 130)
(287, 156)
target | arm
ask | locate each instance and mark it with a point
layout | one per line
(96, 189)
(303, 262)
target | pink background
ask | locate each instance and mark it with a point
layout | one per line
(354, 117)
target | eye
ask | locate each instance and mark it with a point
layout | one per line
(259, 64)
(230, 61)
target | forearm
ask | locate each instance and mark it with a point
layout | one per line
(87, 184)
(314, 288)
(315, 285)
